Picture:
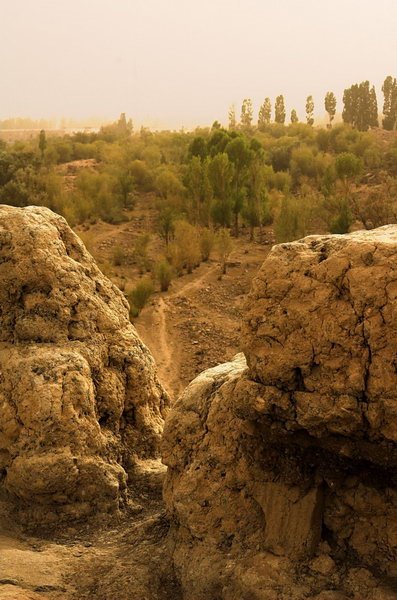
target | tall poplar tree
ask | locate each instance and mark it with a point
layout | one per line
(389, 89)
(310, 111)
(279, 108)
(42, 143)
(232, 118)
(265, 113)
(246, 114)
(330, 106)
(360, 106)
(294, 116)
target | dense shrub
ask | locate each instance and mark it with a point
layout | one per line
(140, 294)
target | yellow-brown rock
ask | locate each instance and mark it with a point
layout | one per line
(282, 478)
(79, 398)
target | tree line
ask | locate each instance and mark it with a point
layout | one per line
(360, 108)
(293, 179)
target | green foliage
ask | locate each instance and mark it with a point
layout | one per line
(255, 209)
(186, 248)
(118, 130)
(42, 143)
(224, 244)
(218, 141)
(303, 163)
(168, 184)
(164, 274)
(134, 312)
(279, 108)
(323, 140)
(294, 116)
(342, 222)
(391, 159)
(124, 186)
(221, 212)
(347, 166)
(142, 175)
(389, 89)
(198, 148)
(239, 153)
(280, 154)
(214, 177)
(166, 222)
(330, 106)
(360, 106)
(140, 294)
(141, 252)
(310, 111)
(151, 155)
(220, 173)
(265, 113)
(232, 118)
(328, 180)
(207, 242)
(288, 225)
(199, 189)
(246, 114)
(94, 197)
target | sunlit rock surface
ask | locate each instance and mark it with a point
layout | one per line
(282, 478)
(80, 403)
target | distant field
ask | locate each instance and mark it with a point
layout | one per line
(13, 135)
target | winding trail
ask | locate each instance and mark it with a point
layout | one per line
(154, 328)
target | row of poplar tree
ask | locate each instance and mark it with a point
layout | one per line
(360, 108)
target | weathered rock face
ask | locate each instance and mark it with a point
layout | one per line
(282, 475)
(80, 403)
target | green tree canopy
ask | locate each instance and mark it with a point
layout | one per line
(246, 114)
(279, 108)
(42, 143)
(265, 113)
(310, 111)
(360, 106)
(294, 116)
(330, 105)
(232, 118)
(389, 90)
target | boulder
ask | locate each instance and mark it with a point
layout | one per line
(282, 471)
(80, 402)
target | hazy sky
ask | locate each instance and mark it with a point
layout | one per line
(183, 62)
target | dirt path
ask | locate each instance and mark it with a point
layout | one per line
(195, 325)
(156, 326)
(192, 285)
(154, 331)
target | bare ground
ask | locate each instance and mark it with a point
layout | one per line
(196, 324)
(127, 560)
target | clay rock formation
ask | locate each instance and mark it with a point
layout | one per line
(81, 406)
(282, 480)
